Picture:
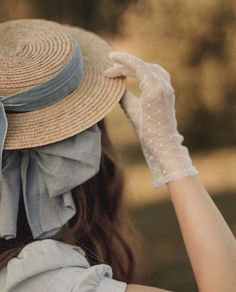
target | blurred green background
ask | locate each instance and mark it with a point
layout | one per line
(195, 42)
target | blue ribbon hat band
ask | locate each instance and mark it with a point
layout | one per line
(52, 90)
(45, 175)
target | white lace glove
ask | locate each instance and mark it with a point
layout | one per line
(153, 117)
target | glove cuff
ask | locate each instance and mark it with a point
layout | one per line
(160, 181)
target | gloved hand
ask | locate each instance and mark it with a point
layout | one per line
(153, 117)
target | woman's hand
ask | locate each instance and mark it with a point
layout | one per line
(153, 117)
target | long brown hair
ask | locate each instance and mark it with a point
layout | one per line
(97, 225)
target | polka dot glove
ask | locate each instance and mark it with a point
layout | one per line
(153, 118)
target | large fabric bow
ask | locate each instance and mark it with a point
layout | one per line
(45, 176)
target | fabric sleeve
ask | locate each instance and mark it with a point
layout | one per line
(96, 278)
(111, 285)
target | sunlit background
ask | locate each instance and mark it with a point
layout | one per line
(195, 41)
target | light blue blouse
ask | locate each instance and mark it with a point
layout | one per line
(49, 265)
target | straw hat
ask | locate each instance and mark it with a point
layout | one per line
(31, 52)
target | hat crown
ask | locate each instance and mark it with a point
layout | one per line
(31, 52)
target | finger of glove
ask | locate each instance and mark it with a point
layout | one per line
(119, 70)
(129, 100)
(138, 66)
(148, 75)
(130, 105)
(159, 70)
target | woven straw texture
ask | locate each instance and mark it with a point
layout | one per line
(33, 51)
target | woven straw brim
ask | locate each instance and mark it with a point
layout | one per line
(93, 99)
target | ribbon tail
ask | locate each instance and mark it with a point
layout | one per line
(10, 189)
(46, 215)
(3, 132)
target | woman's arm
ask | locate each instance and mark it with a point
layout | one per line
(209, 241)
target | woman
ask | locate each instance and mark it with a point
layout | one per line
(61, 187)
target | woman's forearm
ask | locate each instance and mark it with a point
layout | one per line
(209, 241)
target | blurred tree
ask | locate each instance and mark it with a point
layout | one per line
(95, 15)
(195, 41)
(212, 53)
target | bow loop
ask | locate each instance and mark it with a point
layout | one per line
(57, 164)
(46, 175)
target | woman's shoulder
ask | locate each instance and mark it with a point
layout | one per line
(49, 265)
